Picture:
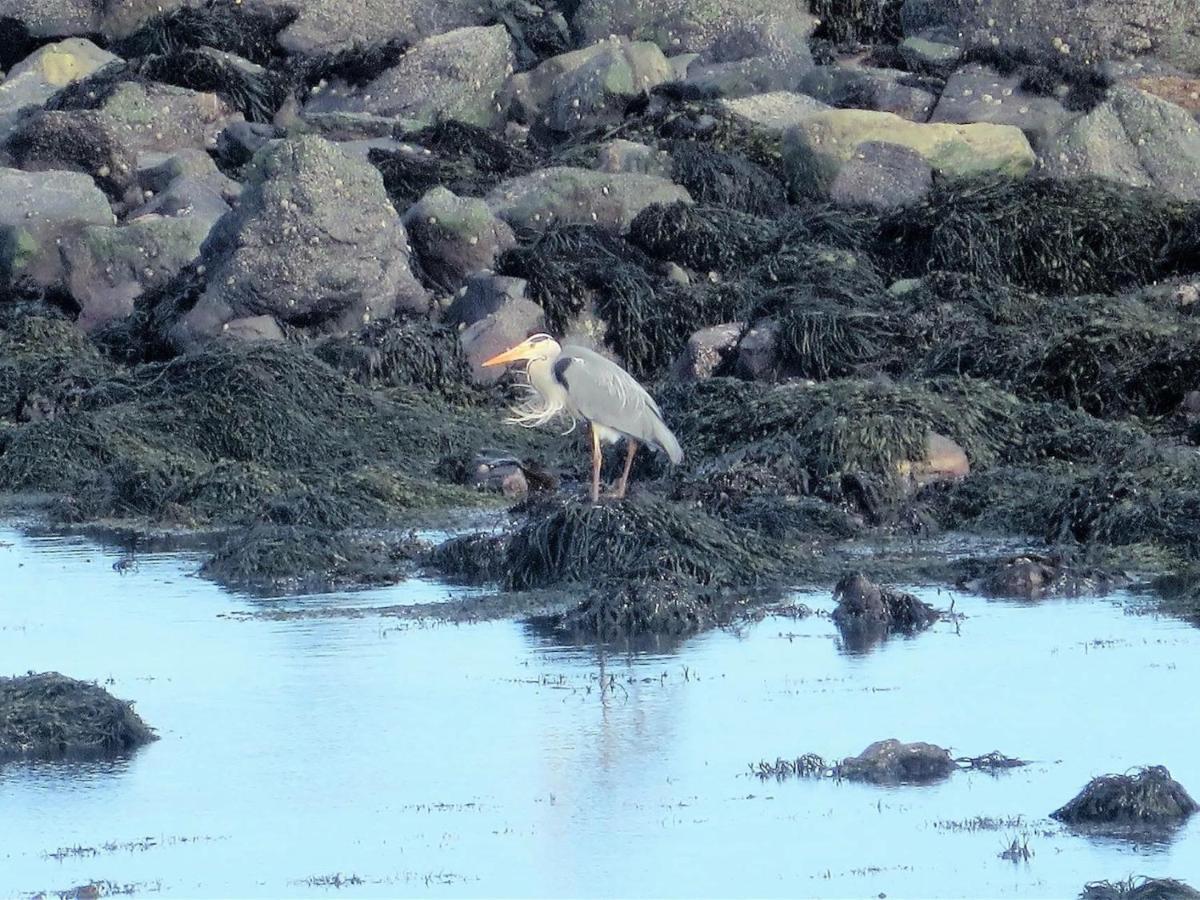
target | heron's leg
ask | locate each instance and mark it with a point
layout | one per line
(619, 493)
(595, 464)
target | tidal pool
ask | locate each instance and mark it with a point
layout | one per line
(340, 751)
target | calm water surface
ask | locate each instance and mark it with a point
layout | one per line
(482, 760)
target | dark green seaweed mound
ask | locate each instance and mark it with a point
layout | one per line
(856, 22)
(249, 30)
(716, 178)
(1079, 236)
(46, 366)
(271, 559)
(1148, 797)
(50, 715)
(1082, 87)
(1139, 889)
(702, 237)
(643, 539)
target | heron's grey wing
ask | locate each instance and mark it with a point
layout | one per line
(602, 392)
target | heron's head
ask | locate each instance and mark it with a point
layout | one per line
(540, 346)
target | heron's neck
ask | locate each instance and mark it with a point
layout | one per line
(541, 378)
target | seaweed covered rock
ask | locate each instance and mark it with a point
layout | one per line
(1034, 576)
(563, 195)
(1142, 888)
(46, 366)
(894, 762)
(715, 178)
(863, 605)
(587, 87)
(58, 18)
(35, 79)
(109, 267)
(314, 243)
(706, 238)
(162, 117)
(270, 559)
(77, 141)
(1133, 138)
(818, 148)
(49, 716)
(454, 237)
(642, 540)
(456, 75)
(37, 211)
(1148, 798)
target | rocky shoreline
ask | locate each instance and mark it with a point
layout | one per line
(892, 270)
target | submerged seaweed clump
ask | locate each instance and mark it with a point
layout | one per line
(1139, 889)
(50, 715)
(865, 606)
(1149, 797)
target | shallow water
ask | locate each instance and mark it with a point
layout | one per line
(481, 760)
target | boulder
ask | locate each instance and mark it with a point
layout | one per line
(863, 606)
(37, 211)
(741, 46)
(156, 172)
(1182, 90)
(482, 295)
(457, 75)
(109, 267)
(240, 140)
(314, 242)
(707, 351)
(324, 26)
(818, 148)
(586, 87)
(1135, 138)
(882, 176)
(77, 141)
(37, 78)
(758, 352)
(455, 236)
(1149, 797)
(1091, 31)
(516, 320)
(60, 18)
(775, 111)
(629, 156)
(893, 762)
(976, 93)
(885, 90)
(563, 194)
(185, 196)
(923, 55)
(163, 118)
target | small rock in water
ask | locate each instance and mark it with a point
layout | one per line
(894, 762)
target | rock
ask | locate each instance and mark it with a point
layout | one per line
(1095, 30)
(165, 118)
(314, 242)
(239, 141)
(34, 80)
(758, 352)
(882, 176)
(37, 211)
(483, 294)
(944, 461)
(563, 194)
(926, 17)
(892, 762)
(156, 172)
(884, 90)
(455, 236)
(253, 328)
(50, 716)
(816, 150)
(516, 320)
(630, 156)
(60, 18)
(457, 75)
(868, 607)
(1151, 797)
(500, 475)
(587, 87)
(78, 141)
(1134, 138)
(1034, 576)
(185, 196)
(328, 25)
(776, 111)
(707, 351)
(935, 57)
(746, 46)
(1181, 90)
(977, 94)
(108, 267)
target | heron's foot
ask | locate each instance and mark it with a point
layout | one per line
(618, 491)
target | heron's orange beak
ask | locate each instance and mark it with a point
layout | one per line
(521, 351)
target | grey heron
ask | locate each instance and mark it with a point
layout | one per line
(579, 383)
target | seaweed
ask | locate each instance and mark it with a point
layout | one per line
(49, 715)
(1139, 889)
(1046, 74)
(716, 178)
(702, 237)
(1150, 796)
(250, 31)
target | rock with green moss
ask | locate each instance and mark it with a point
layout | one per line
(455, 236)
(329, 25)
(582, 88)
(775, 111)
(818, 148)
(109, 267)
(35, 79)
(162, 117)
(564, 195)
(457, 75)
(314, 242)
(37, 210)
